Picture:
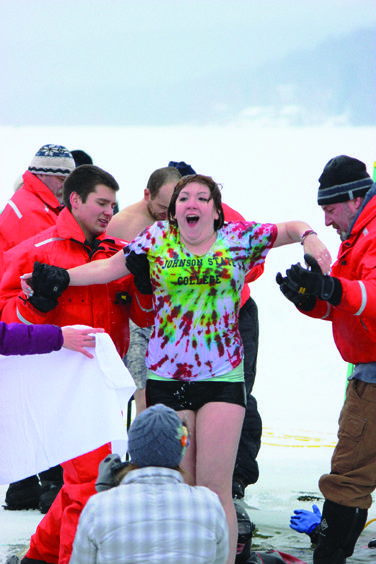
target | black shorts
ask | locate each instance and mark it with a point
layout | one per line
(193, 395)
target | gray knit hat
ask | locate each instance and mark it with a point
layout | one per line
(343, 178)
(157, 437)
(53, 160)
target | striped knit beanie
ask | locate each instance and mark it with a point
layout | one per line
(343, 178)
(53, 160)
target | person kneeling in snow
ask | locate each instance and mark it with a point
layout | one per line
(153, 516)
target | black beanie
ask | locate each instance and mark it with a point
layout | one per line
(81, 157)
(343, 178)
(184, 168)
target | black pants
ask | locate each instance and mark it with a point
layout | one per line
(246, 466)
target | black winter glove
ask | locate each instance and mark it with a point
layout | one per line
(49, 281)
(304, 302)
(138, 265)
(42, 303)
(313, 282)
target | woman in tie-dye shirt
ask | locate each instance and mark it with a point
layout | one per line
(197, 270)
(197, 297)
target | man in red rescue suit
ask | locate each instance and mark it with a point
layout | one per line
(347, 298)
(34, 207)
(77, 238)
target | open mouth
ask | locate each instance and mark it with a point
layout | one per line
(192, 219)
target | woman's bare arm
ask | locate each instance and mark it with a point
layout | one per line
(96, 272)
(292, 231)
(99, 271)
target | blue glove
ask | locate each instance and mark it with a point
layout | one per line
(305, 521)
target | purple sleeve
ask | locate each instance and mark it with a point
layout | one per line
(16, 338)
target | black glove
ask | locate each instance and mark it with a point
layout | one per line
(42, 303)
(138, 265)
(107, 472)
(304, 302)
(313, 282)
(49, 281)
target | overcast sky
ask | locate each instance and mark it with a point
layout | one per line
(69, 56)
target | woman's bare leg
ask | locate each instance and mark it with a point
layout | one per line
(218, 428)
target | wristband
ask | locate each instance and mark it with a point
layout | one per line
(306, 234)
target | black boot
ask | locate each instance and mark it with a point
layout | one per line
(48, 495)
(52, 482)
(23, 494)
(238, 487)
(53, 474)
(339, 530)
(26, 560)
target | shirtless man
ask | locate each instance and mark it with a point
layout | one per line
(126, 225)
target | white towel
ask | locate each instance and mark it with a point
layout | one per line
(54, 407)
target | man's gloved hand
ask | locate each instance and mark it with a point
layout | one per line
(138, 265)
(305, 521)
(304, 302)
(42, 303)
(49, 281)
(313, 282)
(107, 471)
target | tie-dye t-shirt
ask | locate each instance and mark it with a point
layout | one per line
(197, 298)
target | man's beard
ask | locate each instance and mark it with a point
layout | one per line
(155, 216)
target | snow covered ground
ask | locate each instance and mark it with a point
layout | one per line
(289, 468)
(289, 471)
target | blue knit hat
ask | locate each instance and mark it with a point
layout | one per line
(157, 437)
(53, 160)
(184, 168)
(343, 178)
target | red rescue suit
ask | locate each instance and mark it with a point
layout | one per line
(109, 306)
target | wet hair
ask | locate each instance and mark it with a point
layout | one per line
(215, 195)
(160, 177)
(84, 179)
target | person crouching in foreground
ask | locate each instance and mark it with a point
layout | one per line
(153, 516)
